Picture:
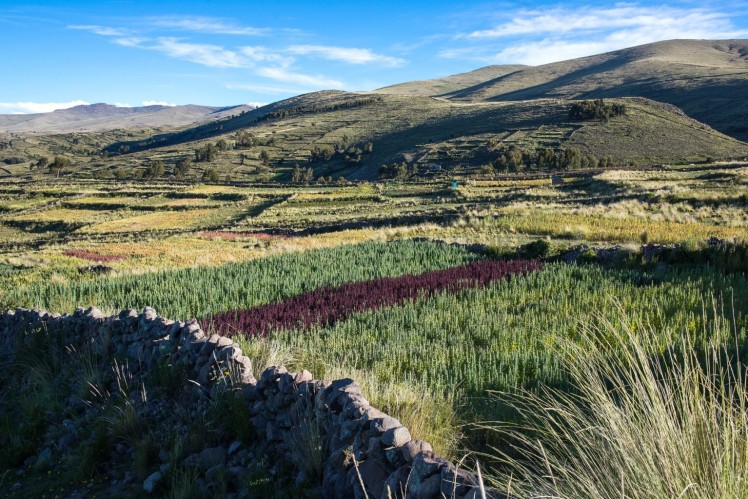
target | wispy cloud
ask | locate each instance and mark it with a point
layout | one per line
(559, 33)
(201, 24)
(214, 56)
(100, 30)
(37, 107)
(346, 54)
(563, 20)
(130, 41)
(315, 82)
(259, 54)
(281, 63)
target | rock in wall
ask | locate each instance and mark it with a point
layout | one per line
(366, 453)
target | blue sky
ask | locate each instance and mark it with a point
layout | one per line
(130, 52)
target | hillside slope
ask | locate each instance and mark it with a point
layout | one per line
(449, 84)
(427, 131)
(706, 79)
(98, 117)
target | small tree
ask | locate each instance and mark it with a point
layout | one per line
(59, 163)
(297, 175)
(42, 162)
(264, 157)
(210, 175)
(308, 175)
(183, 166)
(155, 169)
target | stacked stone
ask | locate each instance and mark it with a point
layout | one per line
(369, 454)
(143, 338)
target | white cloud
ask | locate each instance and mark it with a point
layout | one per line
(346, 54)
(130, 41)
(100, 30)
(122, 104)
(538, 37)
(37, 107)
(158, 103)
(201, 24)
(263, 54)
(256, 104)
(622, 16)
(200, 53)
(315, 82)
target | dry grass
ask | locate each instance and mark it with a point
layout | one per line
(639, 426)
(163, 220)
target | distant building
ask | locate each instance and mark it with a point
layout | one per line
(434, 166)
(556, 180)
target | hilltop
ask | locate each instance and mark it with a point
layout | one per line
(99, 117)
(448, 84)
(707, 79)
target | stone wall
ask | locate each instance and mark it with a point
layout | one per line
(366, 452)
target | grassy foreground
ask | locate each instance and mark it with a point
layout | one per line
(638, 424)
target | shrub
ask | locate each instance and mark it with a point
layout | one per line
(536, 249)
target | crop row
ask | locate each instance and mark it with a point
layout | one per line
(204, 291)
(508, 333)
(327, 304)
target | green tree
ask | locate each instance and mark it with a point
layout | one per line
(59, 164)
(155, 169)
(297, 175)
(265, 157)
(182, 167)
(245, 140)
(210, 175)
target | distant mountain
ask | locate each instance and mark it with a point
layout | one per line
(454, 83)
(708, 80)
(99, 117)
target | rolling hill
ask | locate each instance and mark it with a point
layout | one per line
(708, 80)
(685, 101)
(427, 131)
(99, 117)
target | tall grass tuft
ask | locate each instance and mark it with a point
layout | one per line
(641, 423)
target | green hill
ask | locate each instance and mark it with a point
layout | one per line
(424, 131)
(706, 79)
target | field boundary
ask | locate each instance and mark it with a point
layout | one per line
(367, 452)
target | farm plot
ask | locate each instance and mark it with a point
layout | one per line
(205, 291)
(327, 305)
(175, 221)
(453, 347)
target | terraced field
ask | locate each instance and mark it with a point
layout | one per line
(397, 284)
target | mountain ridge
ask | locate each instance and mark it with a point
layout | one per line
(707, 79)
(103, 116)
